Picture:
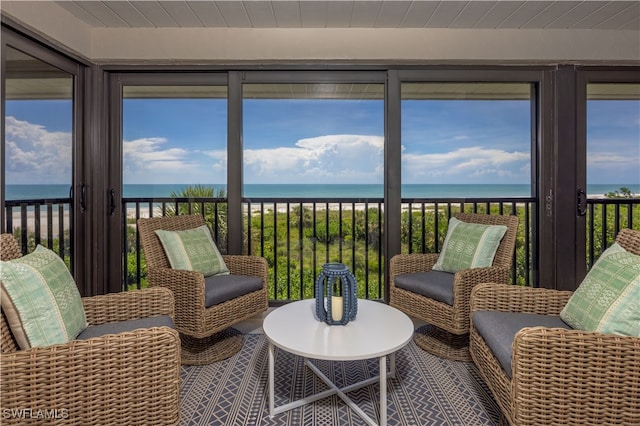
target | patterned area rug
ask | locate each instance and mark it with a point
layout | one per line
(427, 390)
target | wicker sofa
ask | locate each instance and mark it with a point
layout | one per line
(130, 377)
(557, 375)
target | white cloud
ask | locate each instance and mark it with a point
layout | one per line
(464, 164)
(148, 160)
(145, 152)
(612, 160)
(323, 159)
(36, 155)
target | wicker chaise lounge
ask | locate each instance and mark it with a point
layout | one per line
(121, 378)
(205, 328)
(442, 299)
(556, 374)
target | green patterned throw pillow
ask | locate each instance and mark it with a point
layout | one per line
(193, 250)
(41, 300)
(608, 299)
(469, 245)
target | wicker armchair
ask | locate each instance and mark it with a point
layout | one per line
(128, 378)
(559, 376)
(447, 332)
(206, 333)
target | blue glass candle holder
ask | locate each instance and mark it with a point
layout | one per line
(336, 297)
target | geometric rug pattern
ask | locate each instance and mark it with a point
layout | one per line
(427, 390)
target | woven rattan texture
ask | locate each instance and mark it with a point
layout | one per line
(567, 377)
(442, 343)
(192, 318)
(452, 318)
(211, 349)
(9, 247)
(129, 378)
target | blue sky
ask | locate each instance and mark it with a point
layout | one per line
(320, 141)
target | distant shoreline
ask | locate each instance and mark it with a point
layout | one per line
(409, 191)
(131, 213)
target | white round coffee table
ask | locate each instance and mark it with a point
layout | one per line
(378, 330)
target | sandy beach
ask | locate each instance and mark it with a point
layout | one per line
(256, 209)
(44, 225)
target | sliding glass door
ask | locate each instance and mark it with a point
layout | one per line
(171, 134)
(313, 177)
(43, 194)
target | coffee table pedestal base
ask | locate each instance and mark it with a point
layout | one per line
(334, 390)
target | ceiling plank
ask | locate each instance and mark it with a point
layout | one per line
(524, 13)
(79, 12)
(287, 14)
(132, 16)
(208, 14)
(365, 13)
(472, 13)
(500, 11)
(633, 24)
(339, 14)
(445, 13)
(576, 14)
(181, 13)
(418, 14)
(155, 13)
(234, 13)
(105, 15)
(622, 18)
(313, 14)
(260, 14)
(391, 14)
(552, 12)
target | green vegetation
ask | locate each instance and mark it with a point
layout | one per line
(607, 219)
(623, 192)
(215, 215)
(422, 229)
(297, 243)
(53, 244)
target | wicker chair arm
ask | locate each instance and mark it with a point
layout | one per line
(592, 376)
(188, 295)
(128, 305)
(255, 266)
(410, 263)
(110, 380)
(187, 286)
(512, 298)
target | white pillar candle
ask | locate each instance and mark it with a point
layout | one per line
(336, 308)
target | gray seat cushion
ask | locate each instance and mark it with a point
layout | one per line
(220, 288)
(499, 329)
(124, 326)
(436, 285)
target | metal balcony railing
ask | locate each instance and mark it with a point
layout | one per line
(425, 222)
(42, 221)
(605, 218)
(297, 236)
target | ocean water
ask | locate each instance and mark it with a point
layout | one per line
(27, 192)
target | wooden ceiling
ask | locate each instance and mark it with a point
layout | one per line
(503, 14)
